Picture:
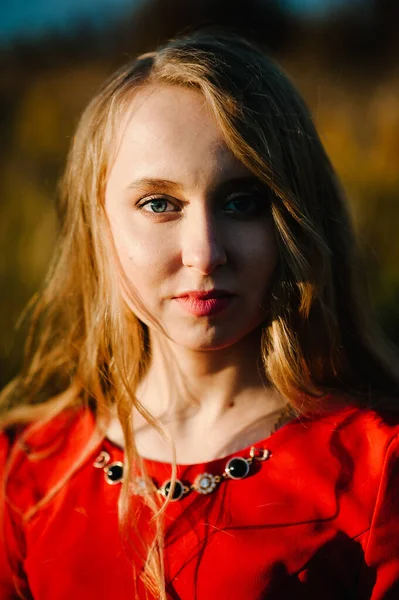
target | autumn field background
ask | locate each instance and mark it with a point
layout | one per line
(346, 66)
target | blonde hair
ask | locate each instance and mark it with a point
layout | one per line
(319, 337)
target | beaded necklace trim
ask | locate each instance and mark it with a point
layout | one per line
(236, 467)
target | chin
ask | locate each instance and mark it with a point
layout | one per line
(210, 337)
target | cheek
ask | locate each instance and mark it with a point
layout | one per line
(144, 258)
(259, 255)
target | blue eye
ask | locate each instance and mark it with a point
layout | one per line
(158, 205)
(244, 204)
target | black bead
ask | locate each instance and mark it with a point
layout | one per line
(237, 468)
(114, 472)
(177, 492)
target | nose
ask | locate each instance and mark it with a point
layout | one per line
(202, 243)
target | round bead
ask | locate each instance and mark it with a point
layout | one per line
(139, 486)
(114, 473)
(204, 483)
(237, 468)
(177, 492)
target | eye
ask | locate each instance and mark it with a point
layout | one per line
(245, 204)
(156, 205)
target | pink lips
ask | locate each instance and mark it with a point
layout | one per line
(202, 305)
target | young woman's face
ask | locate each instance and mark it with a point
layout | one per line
(186, 215)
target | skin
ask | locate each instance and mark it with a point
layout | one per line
(205, 228)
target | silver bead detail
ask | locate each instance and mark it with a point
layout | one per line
(205, 483)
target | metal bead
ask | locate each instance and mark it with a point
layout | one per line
(259, 453)
(139, 486)
(237, 468)
(102, 459)
(205, 483)
(113, 473)
(178, 492)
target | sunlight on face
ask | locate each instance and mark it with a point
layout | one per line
(186, 215)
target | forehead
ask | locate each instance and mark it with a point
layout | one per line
(170, 132)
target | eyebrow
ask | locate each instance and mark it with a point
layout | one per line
(150, 183)
(147, 184)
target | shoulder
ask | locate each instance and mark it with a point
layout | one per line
(370, 436)
(364, 442)
(377, 427)
(36, 459)
(357, 427)
(33, 460)
(355, 447)
(350, 472)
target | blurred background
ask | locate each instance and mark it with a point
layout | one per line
(342, 54)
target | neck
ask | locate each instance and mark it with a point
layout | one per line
(180, 381)
(210, 403)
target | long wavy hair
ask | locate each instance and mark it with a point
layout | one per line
(319, 337)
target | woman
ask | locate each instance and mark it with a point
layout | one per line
(206, 409)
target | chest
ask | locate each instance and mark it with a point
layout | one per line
(282, 532)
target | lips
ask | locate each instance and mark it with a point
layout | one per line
(215, 293)
(205, 304)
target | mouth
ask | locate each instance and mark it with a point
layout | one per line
(205, 305)
(198, 295)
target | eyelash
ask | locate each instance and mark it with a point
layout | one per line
(260, 204)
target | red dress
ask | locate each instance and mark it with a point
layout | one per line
(317, 520)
